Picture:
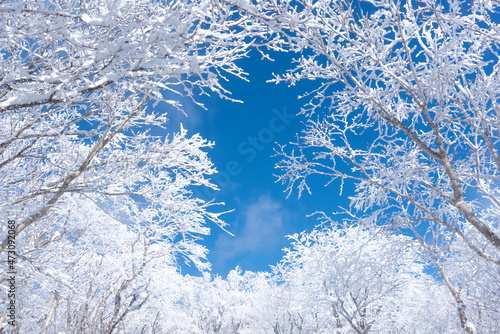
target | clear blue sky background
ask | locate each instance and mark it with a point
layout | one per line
(262, 215)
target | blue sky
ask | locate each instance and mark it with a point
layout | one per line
(245, 135)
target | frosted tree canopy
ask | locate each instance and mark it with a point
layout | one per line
(99, 192)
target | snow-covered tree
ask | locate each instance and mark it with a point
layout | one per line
(91, 274)
(215, 305)
(76, 79)
(406, 108)
(332, 280)
(98, 200)
(363, 280)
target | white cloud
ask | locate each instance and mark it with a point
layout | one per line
(259, 229)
